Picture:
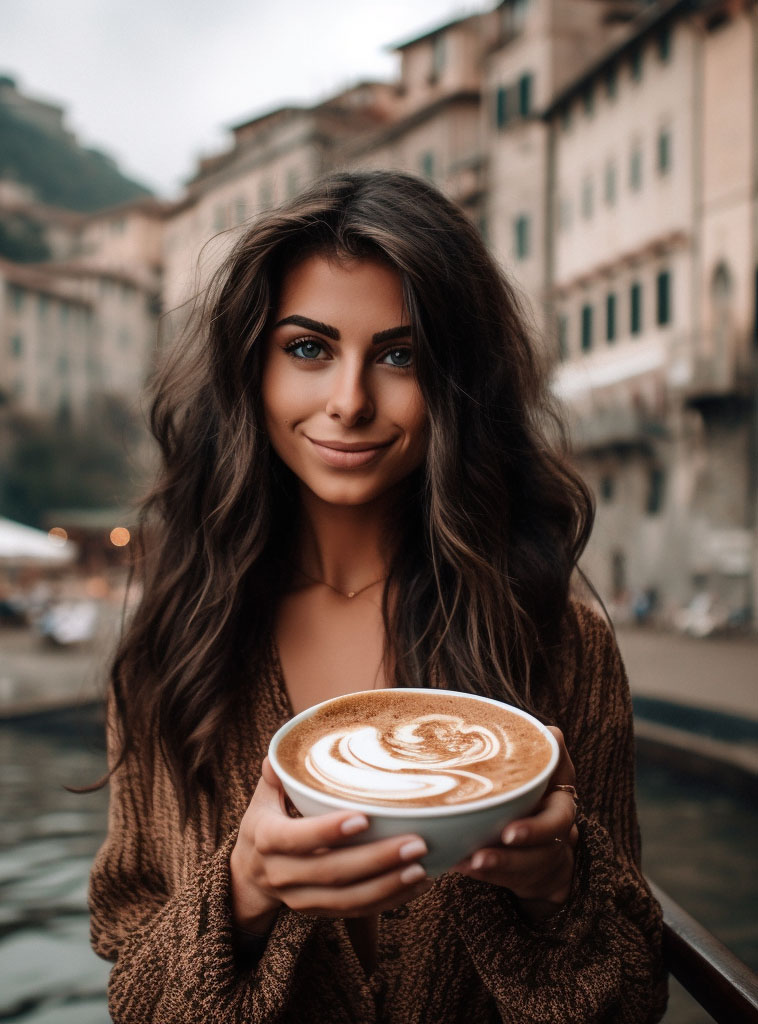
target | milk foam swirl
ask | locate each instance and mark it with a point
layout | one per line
(422, 758)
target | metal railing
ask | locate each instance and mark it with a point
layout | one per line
(718, 980)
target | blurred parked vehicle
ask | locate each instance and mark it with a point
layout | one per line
(703, 616)
(69, 622)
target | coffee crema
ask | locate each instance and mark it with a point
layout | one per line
(407, 749)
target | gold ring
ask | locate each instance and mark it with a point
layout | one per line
(571, 790)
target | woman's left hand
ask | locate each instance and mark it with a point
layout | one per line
(535, 858)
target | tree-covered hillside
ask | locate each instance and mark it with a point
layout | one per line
(60, 172)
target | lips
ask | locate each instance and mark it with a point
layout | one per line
(348, 454)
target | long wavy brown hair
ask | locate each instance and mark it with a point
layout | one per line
(492, 525)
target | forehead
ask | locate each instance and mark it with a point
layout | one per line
(328, 289)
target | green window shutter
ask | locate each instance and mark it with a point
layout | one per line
(525, 95)
(611, 82)
(664, 151)
(635, 310)
(521, 239)
(563, 351)
(663, 298)
(664, 44)
(655, 492)
(586, 328)
(501, 106)
(610, 317)
(637, 64)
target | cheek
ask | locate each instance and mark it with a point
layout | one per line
(277, 399)
(415, 421)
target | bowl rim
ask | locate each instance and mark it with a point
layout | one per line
(433, 811)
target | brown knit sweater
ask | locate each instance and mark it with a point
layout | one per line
(160, 904)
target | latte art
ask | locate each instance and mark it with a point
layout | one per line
(410, 749)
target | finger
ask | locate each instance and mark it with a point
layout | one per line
(557, 809)
(554, 820)
(345, 866)
(564, 773)
(269, 791)
(542, 873)
(276, 832)
(369, 896)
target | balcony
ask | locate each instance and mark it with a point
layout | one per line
(466, 180)
(715, 368)
(621, 428)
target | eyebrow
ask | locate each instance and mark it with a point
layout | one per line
(331, 332)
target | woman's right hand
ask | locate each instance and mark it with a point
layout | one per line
(305, 864)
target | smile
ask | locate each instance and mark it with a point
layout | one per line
(344, 455)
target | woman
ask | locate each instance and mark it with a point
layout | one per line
(357, 491)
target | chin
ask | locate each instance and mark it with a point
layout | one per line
(348, 498)
(350, 494)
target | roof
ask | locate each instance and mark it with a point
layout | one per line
(147, 205)
(649, 20)
(51, 214)
(260, 119)
(428, 33)
(65, 268)
(29, 275)
(396, 128)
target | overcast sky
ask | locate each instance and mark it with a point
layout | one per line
(155, 83)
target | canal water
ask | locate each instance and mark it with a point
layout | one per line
(700, 845)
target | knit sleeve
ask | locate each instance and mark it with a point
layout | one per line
(175, 961)
(598, 959)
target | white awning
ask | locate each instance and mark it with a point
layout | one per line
(23, 545)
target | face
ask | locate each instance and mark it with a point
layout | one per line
(342, 405)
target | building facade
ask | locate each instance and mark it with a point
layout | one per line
(47, 345)
(655, 156)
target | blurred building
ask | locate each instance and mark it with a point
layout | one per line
(272, 157)
(47, 344)
(651, 264)
(84, 325)
(79, 292)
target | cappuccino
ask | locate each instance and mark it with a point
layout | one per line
(401, 748)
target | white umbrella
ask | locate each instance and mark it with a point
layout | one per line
(23, 545)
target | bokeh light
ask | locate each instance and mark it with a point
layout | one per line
(58, 536)
(120, 536)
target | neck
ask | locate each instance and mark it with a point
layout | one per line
(345, 546)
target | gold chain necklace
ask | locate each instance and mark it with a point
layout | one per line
(350, 594)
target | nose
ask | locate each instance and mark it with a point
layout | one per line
(350, 401)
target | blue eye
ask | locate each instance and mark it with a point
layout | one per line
(305, 349)
(400, 357)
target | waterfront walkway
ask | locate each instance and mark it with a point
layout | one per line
(715, 673)
(696, 702)
(718, 674)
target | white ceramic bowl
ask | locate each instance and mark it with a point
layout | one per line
(451, 833)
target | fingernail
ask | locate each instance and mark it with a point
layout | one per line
(482, 860)
(355, 824)
(415, 848)
(513, 835)
(414, 873)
